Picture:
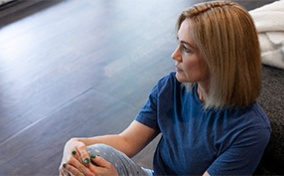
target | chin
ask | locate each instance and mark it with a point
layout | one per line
(180, 78)
(183, 78)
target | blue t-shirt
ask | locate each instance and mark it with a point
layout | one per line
(227, 141)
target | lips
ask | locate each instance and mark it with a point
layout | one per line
(178, 69)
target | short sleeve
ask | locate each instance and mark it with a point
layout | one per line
(148, 113)
(158, 99)
(243, 156)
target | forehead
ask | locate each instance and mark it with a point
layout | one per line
(185, 32)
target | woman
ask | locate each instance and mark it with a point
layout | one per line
(206, 111)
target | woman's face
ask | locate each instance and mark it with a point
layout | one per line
(190, 65)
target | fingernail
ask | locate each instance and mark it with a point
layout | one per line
(64, 165)
(74, 152)
(93, 156)
(86, 160)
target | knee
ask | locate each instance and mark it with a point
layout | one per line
(100, 149)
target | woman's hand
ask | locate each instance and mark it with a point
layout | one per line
(102, 167)
(76, 161)
(75, 156)
(99, 167)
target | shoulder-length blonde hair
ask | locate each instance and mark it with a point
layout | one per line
(227, 38)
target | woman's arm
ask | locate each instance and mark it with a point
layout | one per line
(133, 139)
(130, 141)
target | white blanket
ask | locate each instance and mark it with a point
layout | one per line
(269, 21)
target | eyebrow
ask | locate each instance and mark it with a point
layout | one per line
(184, 42)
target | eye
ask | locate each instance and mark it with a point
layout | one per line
(185, 49)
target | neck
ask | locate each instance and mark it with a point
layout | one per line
(202, 93)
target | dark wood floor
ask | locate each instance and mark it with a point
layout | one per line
(79, 68)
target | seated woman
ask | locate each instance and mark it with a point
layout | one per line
(206, 111)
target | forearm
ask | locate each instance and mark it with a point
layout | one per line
(130, 141)
(111, 140)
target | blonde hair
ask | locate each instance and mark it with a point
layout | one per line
(226, 36)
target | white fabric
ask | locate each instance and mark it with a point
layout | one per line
(269, 21)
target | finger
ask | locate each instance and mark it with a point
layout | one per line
(74, 152)
(84, 155)
(79, 166)
(102, 167)
(62, 170)
(74, 159)
(76, 155)
(73, 170)
(99, 161)
(79, 171)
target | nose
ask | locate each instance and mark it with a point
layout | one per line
(176, 54)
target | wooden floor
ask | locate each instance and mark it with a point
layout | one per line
(79, 68)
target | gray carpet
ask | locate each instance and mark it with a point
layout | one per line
(272, 100)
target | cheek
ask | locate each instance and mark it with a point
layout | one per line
(191, 65)
(196, 68)
(204, 70)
